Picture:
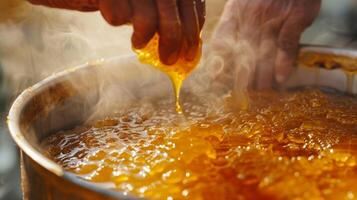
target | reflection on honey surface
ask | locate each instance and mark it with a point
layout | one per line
(296, 145)
(177, 72)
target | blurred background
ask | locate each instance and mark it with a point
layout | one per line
(36, 42)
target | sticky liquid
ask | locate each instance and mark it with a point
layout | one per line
(329, 61)
(177, 72)
(296, 145)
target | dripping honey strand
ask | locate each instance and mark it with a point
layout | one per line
(177, 72)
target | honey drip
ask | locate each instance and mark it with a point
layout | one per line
(176, 72)
(293, 145)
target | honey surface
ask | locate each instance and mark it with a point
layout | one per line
(296, 145)
(177, 72)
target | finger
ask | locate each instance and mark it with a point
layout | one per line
(288, 44)
(220, 52)
(190, 26)
(267, 52)
(220, 60)
(201, 12)
(266, 61)
(225, 33)
(169, 30)
(287, 52)
(115, 12)
(290, 35)
(83, 5)
(144, 20)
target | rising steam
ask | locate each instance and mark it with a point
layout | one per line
(37, 41)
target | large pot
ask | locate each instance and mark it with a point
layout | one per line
(67, 99)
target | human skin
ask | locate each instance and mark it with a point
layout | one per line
(178, 22)
(272, 28)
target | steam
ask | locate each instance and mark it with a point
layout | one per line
(38, 41)
(230, 60)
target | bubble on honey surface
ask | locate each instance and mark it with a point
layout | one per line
(296, 145)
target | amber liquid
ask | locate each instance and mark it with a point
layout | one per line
(296, 145)
(329, 61)
(177, 72)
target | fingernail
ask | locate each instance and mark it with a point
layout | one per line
(280, 78)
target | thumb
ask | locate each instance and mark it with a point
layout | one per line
(303, 14)
(288, 45)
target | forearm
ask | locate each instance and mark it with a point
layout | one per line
(81, 5)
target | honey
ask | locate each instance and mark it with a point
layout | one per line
(177, 72)
(292, 145)
(321, 60)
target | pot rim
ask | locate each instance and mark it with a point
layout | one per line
(13, 122)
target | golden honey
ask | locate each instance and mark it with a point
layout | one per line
(317, 60)
(293, 145)
(177, 72)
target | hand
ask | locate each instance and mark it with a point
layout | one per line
(263, 36)
(178, 22)
(80, 5)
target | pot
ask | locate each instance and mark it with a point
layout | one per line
(74, 96)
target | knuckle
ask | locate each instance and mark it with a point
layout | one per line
(288, 45)
(112, 12)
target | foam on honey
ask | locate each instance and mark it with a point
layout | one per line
(296, 145)
(177, 72)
